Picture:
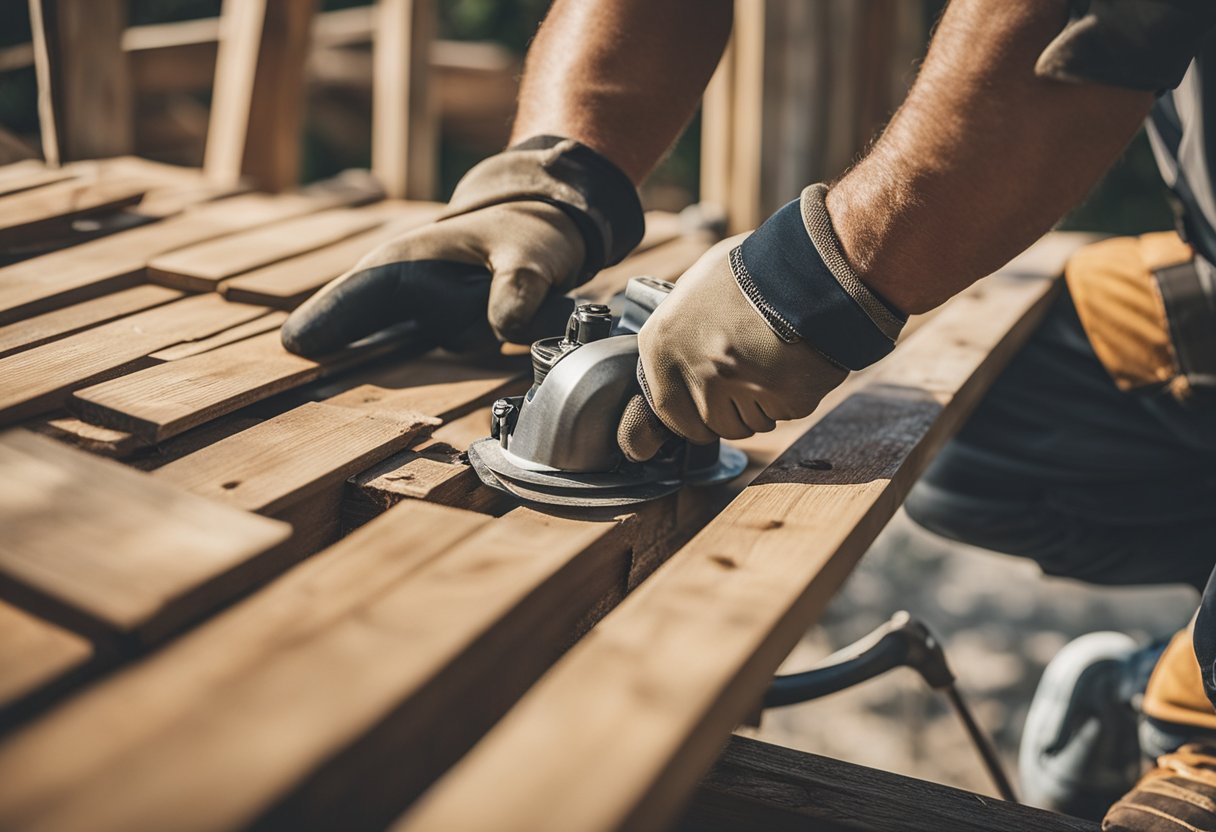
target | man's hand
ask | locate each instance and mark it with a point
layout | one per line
(540, 217)
(711, 366)
(529, 248)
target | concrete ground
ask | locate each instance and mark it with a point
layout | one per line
(1001, 622)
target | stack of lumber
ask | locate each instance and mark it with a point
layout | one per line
(242, 588)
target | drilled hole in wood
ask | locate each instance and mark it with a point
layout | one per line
(231, 484)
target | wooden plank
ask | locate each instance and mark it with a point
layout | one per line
(258, 95)
(271, 321)
(29, 173)
(118, 261)
(200, 268)
(754, 785)
(36, 657)
(666, 262)
(263, 469)
(30, 213)
(70, 319)
(405, 124)
(39, 379)
(309, 705)
(619, 732)
(84, 89)
(747, 117)
(113, 551)
(288, 283)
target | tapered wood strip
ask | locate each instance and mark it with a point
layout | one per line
(271, 321)
(35, 655)
(623, 727)
(285, 459)
(23, 215)
(51, 325)
(111, 550)
(665, 262)
(77, 744)
(39, 379)
(754, 785)
(95, 438)
(311, 707)
(30, 173)
(287, 284)
(118, 261)
(200, 268)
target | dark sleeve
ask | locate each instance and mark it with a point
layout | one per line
(1205, 638)
(1138, 44)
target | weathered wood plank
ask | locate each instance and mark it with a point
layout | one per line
(25, 215)
(288, 283)
(200, 268)
(84, 87)
(284, 460)
(266, 323)
(461, 627)
(112, 551)
(258, 95)
(624, 726)
(757, 786)
(29, 173)
(39, 379)
(405, 124)
(666, 261)
(118, 261)
(35, 656)
(70, 319)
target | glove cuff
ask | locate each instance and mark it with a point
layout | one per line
(595, 193)
(794, 272)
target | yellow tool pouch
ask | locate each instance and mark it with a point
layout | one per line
(1135, 297)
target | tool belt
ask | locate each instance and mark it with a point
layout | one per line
(1146, 311)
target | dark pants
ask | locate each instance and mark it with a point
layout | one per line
(1058, 465)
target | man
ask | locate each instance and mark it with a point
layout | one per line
(1093, 453)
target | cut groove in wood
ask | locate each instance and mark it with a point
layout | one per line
(113, 551)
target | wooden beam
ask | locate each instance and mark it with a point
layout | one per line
(39, 379)
(619, 732)
(257, 101)
(201, 268)
(111, 551)
(50, 326)
(288, 283)
(754, 785)
(118, 261)
(36, 659)
(405, 126)
(84, 89)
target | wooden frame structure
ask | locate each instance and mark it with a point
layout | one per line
(239, 588)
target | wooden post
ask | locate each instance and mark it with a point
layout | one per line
(258, 100)
(405, 129)
(84, 88)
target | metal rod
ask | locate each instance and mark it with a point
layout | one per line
(982, 744)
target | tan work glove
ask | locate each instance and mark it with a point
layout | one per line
(1179, 794)
(537, 219)
(756, 332)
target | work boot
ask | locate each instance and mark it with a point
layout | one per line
(1179, 795)
(1080, 751)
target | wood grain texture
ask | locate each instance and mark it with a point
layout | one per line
(624, 726)
(757, 786)
(271, 321)
(26, 215)
(84, 86)
(308, 704)
(666, 261)
(288, 283)
(34, 655)
(110, 550)
(29, 173)
(285, 459)
(258, 95)
(118, 261)
(39, 379)
(200, 268)
(405, 124)
(51, 325)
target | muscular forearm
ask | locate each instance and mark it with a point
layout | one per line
(981, 159)
(621, 76)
